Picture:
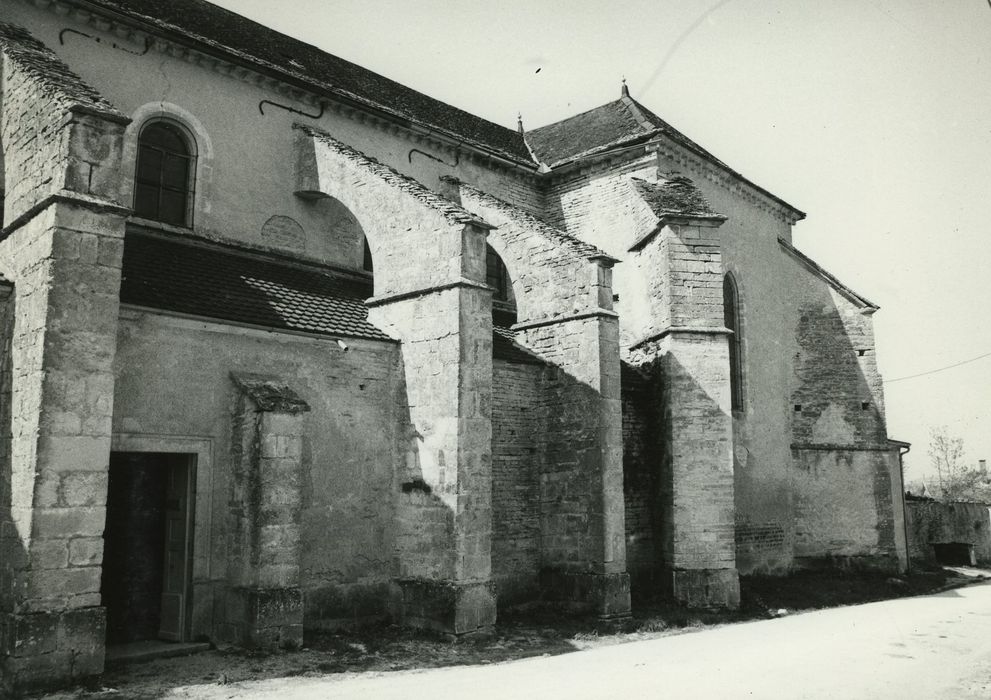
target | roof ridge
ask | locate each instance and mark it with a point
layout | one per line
(634, 107)
(404, 105)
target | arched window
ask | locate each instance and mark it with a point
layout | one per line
(165, 177)
(731, 319)
(495, 274)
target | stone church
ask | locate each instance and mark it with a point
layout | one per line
(286, 345)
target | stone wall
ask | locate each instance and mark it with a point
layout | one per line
(641, 482)
(173, 379)
(931, 523)
(518, 420)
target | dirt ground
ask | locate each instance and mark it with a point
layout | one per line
(535, 630)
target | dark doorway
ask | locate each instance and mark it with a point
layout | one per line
(146, 560)
(955, 553)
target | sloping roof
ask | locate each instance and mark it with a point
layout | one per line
(505, 347)
(60, 84)
(5, 282)
(217, 30)
(454, 213)
(225, 284)
(527, 220)
(677, 196)
(564, 140)
(828, 277)
(615, 124)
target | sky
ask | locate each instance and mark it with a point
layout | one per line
(872, 116)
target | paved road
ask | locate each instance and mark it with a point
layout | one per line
(935, 647)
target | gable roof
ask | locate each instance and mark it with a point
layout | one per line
(218, 31)
(228, 285)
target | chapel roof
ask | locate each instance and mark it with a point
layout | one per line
(230, 285)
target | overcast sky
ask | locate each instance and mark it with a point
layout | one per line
(873, 116)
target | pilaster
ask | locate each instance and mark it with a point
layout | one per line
(265, 599)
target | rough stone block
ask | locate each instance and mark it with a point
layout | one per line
(604, 595)
(706, 588)
(446, 606)
(266, 618)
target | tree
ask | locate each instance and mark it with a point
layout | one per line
(955, 481)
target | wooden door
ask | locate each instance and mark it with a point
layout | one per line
(178, 560)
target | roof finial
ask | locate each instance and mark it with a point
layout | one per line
(519, 122)
(625, 92)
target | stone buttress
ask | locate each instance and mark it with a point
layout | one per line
(683, 345)
(563, 291)
(61, 248)
(430, 294)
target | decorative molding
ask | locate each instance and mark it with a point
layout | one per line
(94, 204)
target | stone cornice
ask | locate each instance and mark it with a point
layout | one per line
(829, 447)
(592, 313)
(384, 299)
(101, 206)
(271, 78)
(680, 330)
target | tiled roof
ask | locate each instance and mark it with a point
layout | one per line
(619, 123)
(225, 284)
(217, 30)
(505, 347)
(583, 133)
(677, 196)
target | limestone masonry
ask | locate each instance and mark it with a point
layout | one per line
(285, 345)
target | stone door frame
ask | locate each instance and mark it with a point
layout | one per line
(201, 448)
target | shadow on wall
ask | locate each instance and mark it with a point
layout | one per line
(13, 556)
(845, 510)
(641, 480)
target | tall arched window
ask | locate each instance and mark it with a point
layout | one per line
(165, 177)
(731, 319)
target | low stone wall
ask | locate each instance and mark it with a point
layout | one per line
(931, 523)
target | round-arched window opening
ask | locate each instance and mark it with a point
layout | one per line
(164, 182)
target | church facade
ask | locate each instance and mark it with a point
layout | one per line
(285, 345)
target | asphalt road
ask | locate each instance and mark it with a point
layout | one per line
(936, 646)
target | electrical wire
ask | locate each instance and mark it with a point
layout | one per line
(940, 369)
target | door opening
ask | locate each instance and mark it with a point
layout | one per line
(147, 559)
